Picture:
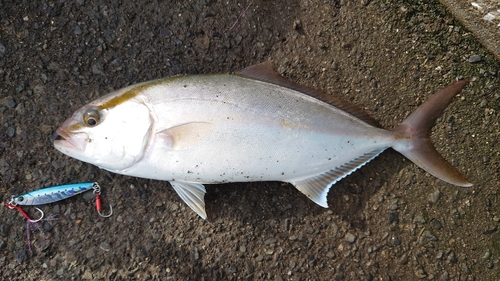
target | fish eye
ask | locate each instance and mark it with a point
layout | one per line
(91, 117)
(20, 199)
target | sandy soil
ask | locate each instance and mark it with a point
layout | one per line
(481, 17)
(388, 221)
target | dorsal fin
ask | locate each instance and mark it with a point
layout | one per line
(264, 72)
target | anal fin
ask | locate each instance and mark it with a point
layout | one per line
(193, 194)
(317, 187)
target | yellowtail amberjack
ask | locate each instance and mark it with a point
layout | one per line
(254, 125)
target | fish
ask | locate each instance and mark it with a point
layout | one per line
(252, 125)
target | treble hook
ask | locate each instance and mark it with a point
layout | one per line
(98, 207)
(11, 205)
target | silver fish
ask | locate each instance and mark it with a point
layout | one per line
(254, 125)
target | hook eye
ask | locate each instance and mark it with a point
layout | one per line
(12, 203)
(41, 217)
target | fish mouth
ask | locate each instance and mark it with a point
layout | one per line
(64, 141)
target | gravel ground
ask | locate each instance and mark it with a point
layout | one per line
(388, 221)
(482, 18)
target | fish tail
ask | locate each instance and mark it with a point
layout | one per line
(414, 136)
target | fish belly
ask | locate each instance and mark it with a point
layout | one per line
(226, 128)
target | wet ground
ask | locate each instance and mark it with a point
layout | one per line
(388, 221)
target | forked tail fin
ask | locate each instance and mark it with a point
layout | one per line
(414, 134)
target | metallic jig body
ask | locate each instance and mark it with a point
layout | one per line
(53, 194)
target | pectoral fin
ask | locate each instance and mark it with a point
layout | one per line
(193, 195)
(317, 187)
(186, 135)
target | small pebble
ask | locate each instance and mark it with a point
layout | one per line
(249, 267)
(11, 132)
(91, 253)
(349, 237)
(4, 230)
(335, 66)
(196, 253)
(434, 197)
(11, 103)
(395, 241)
(452, 259)
(420, 219)
(475, 58)
(338, 277)
(436, 224)
(486, 256)
(105, 246)
(21, 255)
(393, 217)
(297, 24)
(394, 205)
(427, 236)
(270, 241)
(97, 69)
(78, 30)
(420, 273)
(231, 268)
(47, 226)
(174, 207)
(165, 33)
(20, 88)
(87, 275)
(439, 255)
(42, 244)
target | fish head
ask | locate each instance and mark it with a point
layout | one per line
(112, 132)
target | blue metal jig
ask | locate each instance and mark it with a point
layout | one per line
(52, 194)
(58, 193)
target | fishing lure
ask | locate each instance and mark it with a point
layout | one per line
(51, 195)
(58, 193)
(31, 224)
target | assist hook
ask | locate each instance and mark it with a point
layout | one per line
(12, 205)
(98, 206)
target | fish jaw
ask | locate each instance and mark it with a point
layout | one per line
(73, 144)
(70, 143)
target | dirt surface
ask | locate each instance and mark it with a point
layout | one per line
(388, 221)
(481, 17)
